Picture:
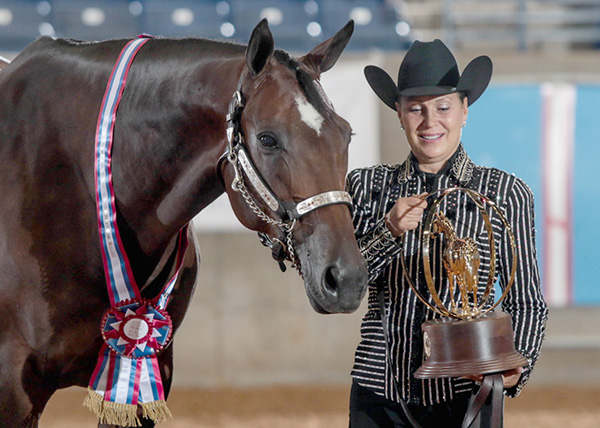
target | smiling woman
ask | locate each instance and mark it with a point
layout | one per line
(433, 125)
(432, 101)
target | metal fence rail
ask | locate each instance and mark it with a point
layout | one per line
(522, 24)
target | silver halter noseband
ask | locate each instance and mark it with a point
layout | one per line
(287, 211)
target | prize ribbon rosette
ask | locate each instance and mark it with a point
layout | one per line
(127, 376)
(136, 329)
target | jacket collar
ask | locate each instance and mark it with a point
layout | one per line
(459, 166)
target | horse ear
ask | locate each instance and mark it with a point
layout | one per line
(323, 56)
(260, 47)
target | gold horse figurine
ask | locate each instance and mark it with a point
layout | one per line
(461, 260)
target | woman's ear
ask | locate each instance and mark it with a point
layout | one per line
(399, 113)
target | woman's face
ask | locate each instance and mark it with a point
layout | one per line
(433, 127)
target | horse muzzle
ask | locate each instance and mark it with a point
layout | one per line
(334, 272)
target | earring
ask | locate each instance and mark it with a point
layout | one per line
(464, 124)
(401, 127)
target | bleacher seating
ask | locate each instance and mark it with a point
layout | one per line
(297, 25)
(95, 19)
(294, 24)
(187, 18)
(376, 24)
(20, 24)
(524, 25)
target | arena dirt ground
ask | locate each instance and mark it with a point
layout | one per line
(323, 407)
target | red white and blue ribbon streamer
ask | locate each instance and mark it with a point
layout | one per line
(134, 329)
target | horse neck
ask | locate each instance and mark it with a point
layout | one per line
(446, 228)
(170, 133)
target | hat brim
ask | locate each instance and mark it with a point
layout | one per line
(475, 78)
(383, 85)
(473, 82)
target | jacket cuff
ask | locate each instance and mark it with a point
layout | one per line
(516, 390)
(379, 243)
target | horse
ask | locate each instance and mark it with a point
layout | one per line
(3, 62)
(461, 260)
(185, 102)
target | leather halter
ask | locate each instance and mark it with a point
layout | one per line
(287, 212)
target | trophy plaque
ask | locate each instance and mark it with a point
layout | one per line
(470, 338)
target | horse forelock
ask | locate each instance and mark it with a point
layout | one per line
(310, 87)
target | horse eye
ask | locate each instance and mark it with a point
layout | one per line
(267, 141)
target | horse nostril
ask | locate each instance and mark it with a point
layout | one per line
(330, 283)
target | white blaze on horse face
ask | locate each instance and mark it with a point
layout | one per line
(309, 114)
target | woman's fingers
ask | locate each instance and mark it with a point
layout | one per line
(406, 214)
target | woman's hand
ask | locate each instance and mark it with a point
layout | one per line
(406, 214)
(510, 377)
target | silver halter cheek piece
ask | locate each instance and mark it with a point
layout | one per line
(287, 211)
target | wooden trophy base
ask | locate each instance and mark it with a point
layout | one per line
(455, 348)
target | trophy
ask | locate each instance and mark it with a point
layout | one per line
(470, 338)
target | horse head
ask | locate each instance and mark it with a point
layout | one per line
(288, 157)
(440, 225)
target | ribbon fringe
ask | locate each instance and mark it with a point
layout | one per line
(156, 410)
(93, 401)
(111, 413)
(120, 414)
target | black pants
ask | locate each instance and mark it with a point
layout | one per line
(370, 410)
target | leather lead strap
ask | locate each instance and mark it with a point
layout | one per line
(492, 384)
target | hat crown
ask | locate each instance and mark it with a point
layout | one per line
(428, 64)
(430, 69)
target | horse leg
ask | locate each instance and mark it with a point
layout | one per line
(472, 286)
(24, 391)
(165, 362)
(451, 283)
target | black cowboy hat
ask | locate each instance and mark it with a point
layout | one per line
(429, 68)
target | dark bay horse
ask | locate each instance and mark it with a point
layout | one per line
(170, 160)
(3, 62)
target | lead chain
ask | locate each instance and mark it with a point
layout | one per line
(240, 186)
(291, 252)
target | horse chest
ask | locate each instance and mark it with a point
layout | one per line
(460, 255)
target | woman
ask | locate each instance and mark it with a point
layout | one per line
(432, 101)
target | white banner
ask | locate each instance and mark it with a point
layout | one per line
(557, 166)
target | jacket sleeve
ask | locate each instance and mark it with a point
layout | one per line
(376, 243)
(524, 301)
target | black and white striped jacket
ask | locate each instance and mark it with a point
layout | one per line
(374, 191)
